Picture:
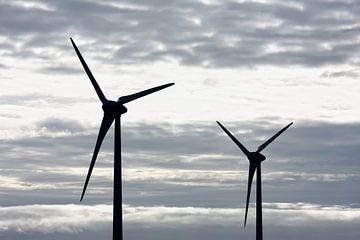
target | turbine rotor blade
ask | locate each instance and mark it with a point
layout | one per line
(252, 168)
(105, 125)
(129, 98)
(264, 145)
(88, 72)
(243, 149)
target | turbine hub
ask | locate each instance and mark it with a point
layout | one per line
(114, 108)
(256, 157)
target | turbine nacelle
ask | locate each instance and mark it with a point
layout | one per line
(114, 108)
(256, 157)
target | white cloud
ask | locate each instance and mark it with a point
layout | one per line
(38, 5)
(15, 183)
(181, 177)
(53, 218)
(76, 218)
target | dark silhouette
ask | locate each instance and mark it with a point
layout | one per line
(112, 111)
(255, 159)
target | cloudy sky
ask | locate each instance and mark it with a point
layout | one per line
(253, 65)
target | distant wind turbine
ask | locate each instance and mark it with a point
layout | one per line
(255, 159)
(112, 111)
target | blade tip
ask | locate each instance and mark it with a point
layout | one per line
(73, 43)
(221, 126)
(169, 85)
(82, 195)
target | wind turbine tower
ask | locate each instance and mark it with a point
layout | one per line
(255, 160)
(112, 112)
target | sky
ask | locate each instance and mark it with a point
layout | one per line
(253, 65)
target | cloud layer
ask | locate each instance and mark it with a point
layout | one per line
(202, 33)
(182, 165)
(77, 219)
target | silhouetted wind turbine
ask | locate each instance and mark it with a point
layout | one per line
(255, 159)
(112, 111)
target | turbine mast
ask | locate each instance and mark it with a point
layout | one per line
(259, 229)
(117, 201)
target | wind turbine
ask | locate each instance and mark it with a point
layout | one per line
(255, 159)
(112, 111)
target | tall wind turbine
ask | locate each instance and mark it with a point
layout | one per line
(112, 111)
(255, 159)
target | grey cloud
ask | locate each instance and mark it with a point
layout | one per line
(61, 69)
(230, 34)
(3, 66)
(165, 145)
(55, 125)
(352, 73)
(163, 162)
